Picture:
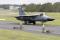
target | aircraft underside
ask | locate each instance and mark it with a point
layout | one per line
(29, 22)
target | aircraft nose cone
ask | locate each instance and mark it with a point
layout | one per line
(50, 19)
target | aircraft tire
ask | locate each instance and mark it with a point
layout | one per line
(25, 22)
(34, 22)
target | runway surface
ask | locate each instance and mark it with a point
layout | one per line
(29, 28)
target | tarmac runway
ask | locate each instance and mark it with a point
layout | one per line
(29, 28)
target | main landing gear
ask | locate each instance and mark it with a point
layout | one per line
(29, 22)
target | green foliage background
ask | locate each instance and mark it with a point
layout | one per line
(47, 7)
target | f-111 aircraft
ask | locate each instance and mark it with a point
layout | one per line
(32, 19)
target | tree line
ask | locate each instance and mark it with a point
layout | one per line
(47, 7)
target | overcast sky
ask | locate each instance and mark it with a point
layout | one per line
(27, 1)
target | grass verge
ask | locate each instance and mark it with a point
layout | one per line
(21, 35)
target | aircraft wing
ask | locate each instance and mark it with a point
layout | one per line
(26, 17)
(33, 16)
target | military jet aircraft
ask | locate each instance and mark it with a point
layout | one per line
(32, 19)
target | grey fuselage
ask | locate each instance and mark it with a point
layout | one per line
(31, 19)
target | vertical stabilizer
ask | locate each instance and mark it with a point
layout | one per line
(21, 11)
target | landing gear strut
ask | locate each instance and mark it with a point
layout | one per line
(25, 22)
(28, 22)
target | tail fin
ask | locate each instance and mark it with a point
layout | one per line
(21, 11)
